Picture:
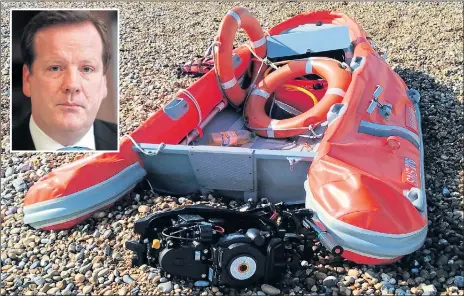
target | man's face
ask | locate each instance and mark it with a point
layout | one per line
(67, 82)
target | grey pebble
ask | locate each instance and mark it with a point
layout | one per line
(35, 264)
(116, 256)
(80, 256)
(11, 211)
(270, 290)
(127, 279)
(72, 248)
(165, 287)
(49, 265)
(85, 268)
(18, 282)
(329, 281)
(19, 185)
(135, 290)
(107, 234)
(152, 275)
(429, 290)
(103, 272)
(44, 241)
(163, 280)
(9, 172)
(459, 281)
(39, 280)
(107, 250)
(43, 262)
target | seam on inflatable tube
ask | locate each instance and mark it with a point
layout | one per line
(70, 196)
(67, 218)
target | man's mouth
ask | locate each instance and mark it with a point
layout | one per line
(69, 105)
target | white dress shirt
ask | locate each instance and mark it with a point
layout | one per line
(43, 142)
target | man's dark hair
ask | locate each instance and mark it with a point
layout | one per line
(49, 18)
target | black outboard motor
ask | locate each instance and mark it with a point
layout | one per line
(224, 247)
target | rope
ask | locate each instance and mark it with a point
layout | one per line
(149, 153)
(195, 102)
(265, 60)
(251, 88)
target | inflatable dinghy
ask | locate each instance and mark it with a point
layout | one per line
(337, 130)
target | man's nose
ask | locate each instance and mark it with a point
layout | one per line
(71, 82)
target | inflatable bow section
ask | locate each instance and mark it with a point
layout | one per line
(73, 192)
(366, 183)
(70, 194)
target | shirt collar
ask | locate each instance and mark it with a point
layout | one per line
(43, 142)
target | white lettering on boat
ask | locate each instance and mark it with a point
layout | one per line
(410, 172)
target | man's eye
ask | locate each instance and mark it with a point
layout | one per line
(87, 69)
(54, 68)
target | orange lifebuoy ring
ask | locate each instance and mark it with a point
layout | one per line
(237, 18)
(337, 76)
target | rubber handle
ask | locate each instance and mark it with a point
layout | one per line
(330, 244)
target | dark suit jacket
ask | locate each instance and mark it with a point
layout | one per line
(106, 136)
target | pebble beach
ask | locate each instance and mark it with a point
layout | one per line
(424, 45)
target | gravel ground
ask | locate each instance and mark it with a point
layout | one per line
(425, 46)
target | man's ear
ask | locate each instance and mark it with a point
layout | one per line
(26, 83)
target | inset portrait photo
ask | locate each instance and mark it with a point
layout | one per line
(64, 80)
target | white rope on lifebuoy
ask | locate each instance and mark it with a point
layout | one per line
(265, 60)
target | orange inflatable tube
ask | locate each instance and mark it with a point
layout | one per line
(235, 19)
(337, 76)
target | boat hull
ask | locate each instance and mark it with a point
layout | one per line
(365, 180)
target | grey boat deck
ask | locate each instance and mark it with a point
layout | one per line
(265, 168)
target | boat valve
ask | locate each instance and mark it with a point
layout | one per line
(375, 99)
(384, 109)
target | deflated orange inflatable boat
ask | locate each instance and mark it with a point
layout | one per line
(337, 130)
